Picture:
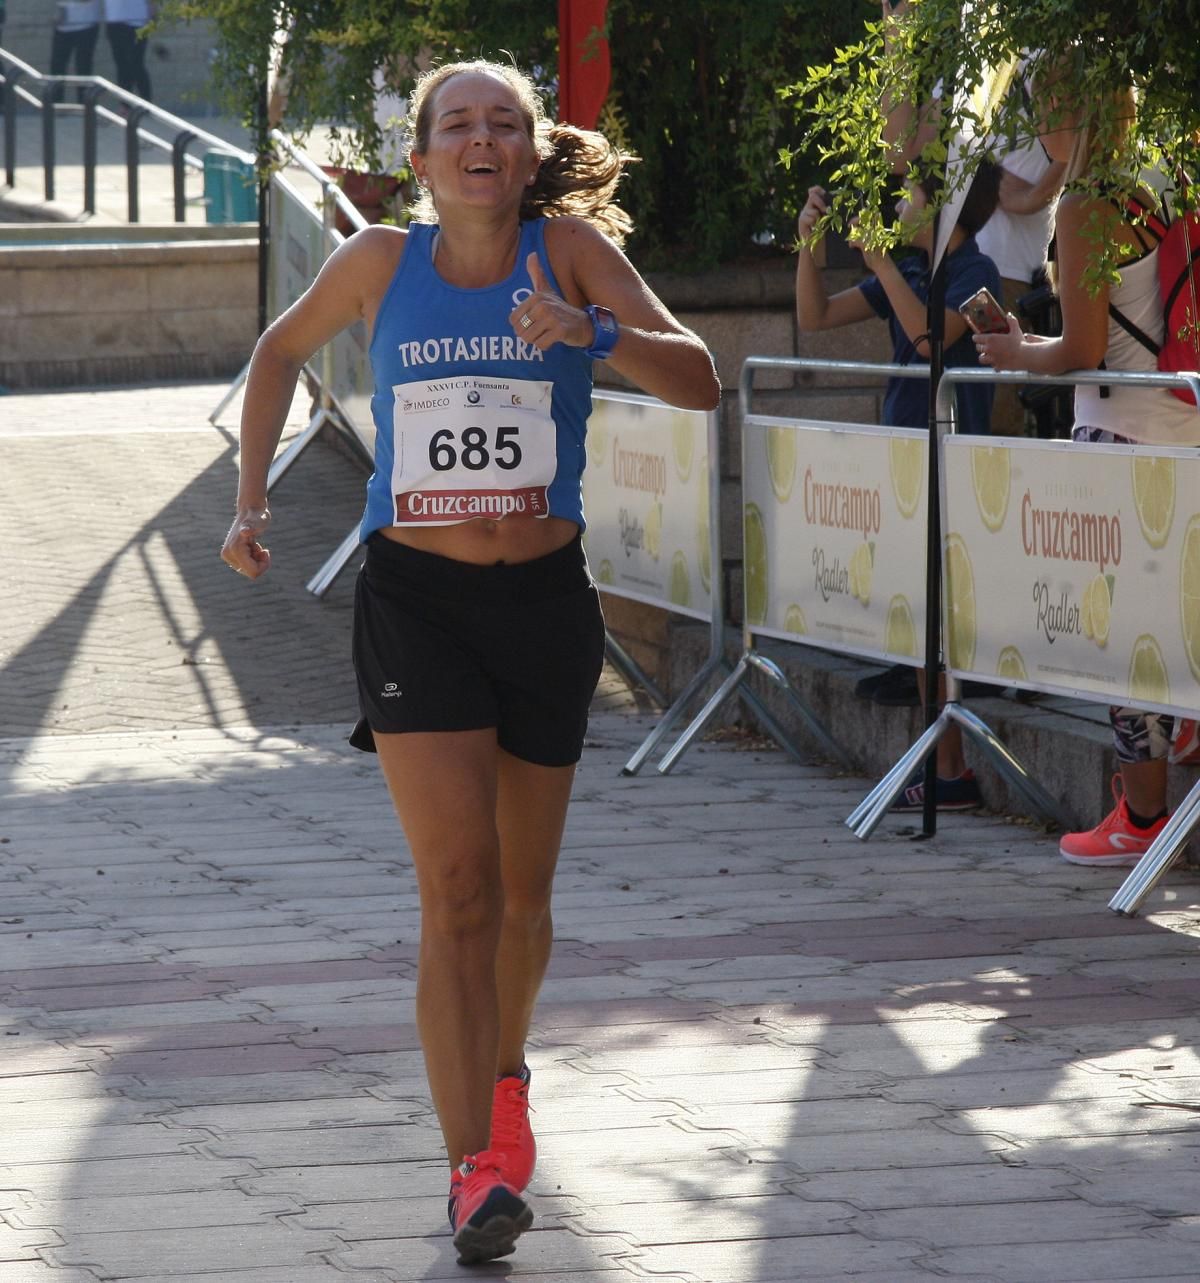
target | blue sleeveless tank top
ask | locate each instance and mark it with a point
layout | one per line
(437, 345)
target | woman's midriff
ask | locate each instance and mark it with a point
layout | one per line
(484, 542)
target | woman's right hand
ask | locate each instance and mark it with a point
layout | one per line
(242, 549)
(814, 207)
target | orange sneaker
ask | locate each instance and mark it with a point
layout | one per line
(1115, 840)
(1185, 748)
(486, 1214)
(512, 1137)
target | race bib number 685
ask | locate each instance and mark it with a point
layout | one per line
(471, 446)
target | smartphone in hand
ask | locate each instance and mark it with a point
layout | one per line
(983, 314)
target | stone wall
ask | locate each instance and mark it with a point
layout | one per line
(80, 314)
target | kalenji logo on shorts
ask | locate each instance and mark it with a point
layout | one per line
(391, 691)
(461, 505)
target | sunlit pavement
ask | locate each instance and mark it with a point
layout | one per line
(765, 1051)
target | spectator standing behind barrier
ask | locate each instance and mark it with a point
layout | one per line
(123, 20)
(899, 293)
(1090, 336)
(478, 642)
(1017, 236)
(76, 30)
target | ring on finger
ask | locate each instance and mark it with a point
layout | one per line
(526, 321)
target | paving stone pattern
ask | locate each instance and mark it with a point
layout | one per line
(766, 1051)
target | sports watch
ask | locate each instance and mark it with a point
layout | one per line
(605, 332)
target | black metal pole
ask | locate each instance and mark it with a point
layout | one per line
(91, 96)
(11, 76)
(936, 327)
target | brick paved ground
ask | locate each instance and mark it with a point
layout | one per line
(766, 1051)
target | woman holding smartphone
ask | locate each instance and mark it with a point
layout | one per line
(1091, 336)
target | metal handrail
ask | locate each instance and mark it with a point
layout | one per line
(13, 71)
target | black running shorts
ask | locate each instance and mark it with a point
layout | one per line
(442, 645)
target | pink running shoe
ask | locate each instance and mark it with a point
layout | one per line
(486, 1214)
(512, 1137)
(1115, 840)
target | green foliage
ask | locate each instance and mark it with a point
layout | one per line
(1088, 47)
(693, 92)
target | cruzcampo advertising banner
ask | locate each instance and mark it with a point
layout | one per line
(834, 524)
(645, 497)
(1075, 568)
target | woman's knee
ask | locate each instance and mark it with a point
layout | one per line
(461, 896)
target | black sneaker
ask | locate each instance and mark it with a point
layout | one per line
(961, 794)
(898, 688)
(865, 687)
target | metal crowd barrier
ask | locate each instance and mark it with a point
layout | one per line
(16, 75)
(1167, 847)
(751, 659)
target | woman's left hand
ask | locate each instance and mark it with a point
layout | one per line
(1003, 351)
(546, 318)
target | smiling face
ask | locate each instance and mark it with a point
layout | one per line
(477, 149)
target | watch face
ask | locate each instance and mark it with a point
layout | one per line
(605, 332)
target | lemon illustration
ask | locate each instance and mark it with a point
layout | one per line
(1097, 610)
(1148, 672)
(794, 621)
(861, 567)
(781, 461)
(991, 473)
(652, 531)
(597, 444)
(683, 444)
(1154, 497)
(1189, 594)
(704, 554)
(1011, 665)
(606, 575)
(680, 587)
(899, 631)
(906, 456)
(754, 564)
(960, 604)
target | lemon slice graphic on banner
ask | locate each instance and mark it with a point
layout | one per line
(652, 530)
(1097, 610)
(1189, 594)
(1154, 497)
(861, 569)
(703, 552)
(1148, 672)
(597, 444)
(1011, 665)
(781, 461)
(991, 473)
(906, 457)
(794, 621)
(754, 564)
(605, 574)
(683, 445)
(680, 587)
(899, 631)
(960, 604)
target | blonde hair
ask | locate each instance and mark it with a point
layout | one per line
(578, 169)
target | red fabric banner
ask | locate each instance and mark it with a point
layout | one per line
(583, 62)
